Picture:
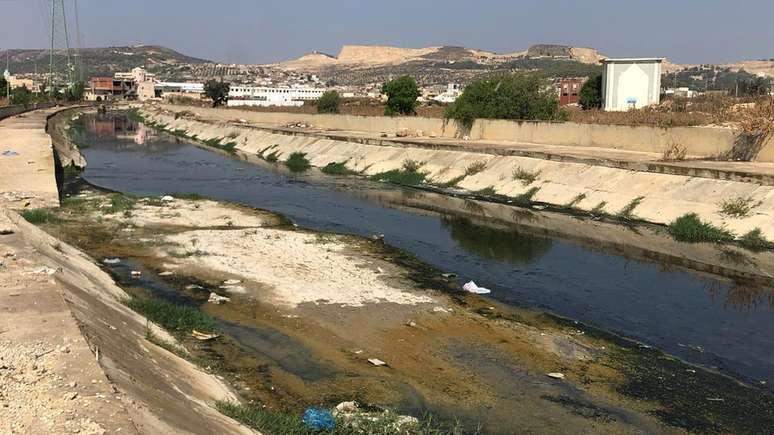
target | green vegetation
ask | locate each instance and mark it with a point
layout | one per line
(525, 198)
(334, 168)
(276, 423)
(755, 241)
(273, 157)
(526, 177)
(518, 96)
(191, 196)
(297, 162)
(453, 182)
(409, 175)
(628, 210)
(555, 67)
(689, 228)
(487, 191)
(330, 102)
(75, 91)
(217, 91)
(402, 94)
(39, 216)
(590, 95)
(475, 167)
(737, 207)
(119, 203)
(575, 201)
(217, 142)
(22, 96)
(599, 209)
(180, 319)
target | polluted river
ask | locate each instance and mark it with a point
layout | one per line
(578, 271)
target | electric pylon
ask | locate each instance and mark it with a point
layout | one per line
(61, 70)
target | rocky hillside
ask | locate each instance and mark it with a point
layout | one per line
(104, 60)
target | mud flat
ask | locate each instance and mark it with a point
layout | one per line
(308, 310)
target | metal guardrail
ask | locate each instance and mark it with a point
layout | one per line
(8, 111)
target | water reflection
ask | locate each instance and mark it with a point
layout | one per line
(742, 296)
(495, 244)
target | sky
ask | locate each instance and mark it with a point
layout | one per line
(262, 31)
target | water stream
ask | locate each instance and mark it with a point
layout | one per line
(683, 313)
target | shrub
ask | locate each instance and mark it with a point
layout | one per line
(689, 228)
(330, 102)
(402, 94)
(755, 241)
(334, 168)
(506, 96)
(217, 92)
(590, 95)
(119, 203)
(675, 151)
(409, 175)
(525, 198)
(297, 162)
(412, 165)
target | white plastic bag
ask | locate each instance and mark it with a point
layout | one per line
(471, 287)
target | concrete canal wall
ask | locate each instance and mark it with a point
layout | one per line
(652, 197)
(698, 141)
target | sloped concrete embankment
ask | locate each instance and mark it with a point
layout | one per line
(651, 197)
(162, 392)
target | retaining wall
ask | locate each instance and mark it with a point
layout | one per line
(699, 141)
(658, 198)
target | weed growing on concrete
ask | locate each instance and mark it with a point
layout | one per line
(628, 210)
(334, 168)
(690, 228)
(404, 178)
(39, 216)
(180, 319)
(273, 157)
(575, 201)
(410, 165)
(755, 241)
(526, 177)
(599, 209)
(738, 207)
(675, 151)
(453, 182)
(525, 198)
(189, 253)
(487, 191)
(475, 167)
(297, 162)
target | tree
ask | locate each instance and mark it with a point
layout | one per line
(329, 102)
(75, 91)
(217, 92)
(590, 96)
(3, 87)
(21, 95)
(526, 96)
(402, 94)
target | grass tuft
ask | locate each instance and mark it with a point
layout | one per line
(297, 162)
(738, 207)
(690, 228)
(410, 165)
(487, 191)
(525, 199)
(628, 210)
(39, 216)
(175, 318)
(755, 241)
(120, 203)
(575, 201)
(475, 167)
(397, 176)
(192, 196)
(526, 177)
(334, 168)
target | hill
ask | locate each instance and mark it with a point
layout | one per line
(104, 60)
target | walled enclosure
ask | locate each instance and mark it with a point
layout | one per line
(699, 141)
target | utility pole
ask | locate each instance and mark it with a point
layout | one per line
(60, 40)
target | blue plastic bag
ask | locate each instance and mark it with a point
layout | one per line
(318, 419)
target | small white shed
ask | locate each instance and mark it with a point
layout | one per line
(630, 83)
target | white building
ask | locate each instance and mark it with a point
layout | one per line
(453, 91)
(630, 83)
(243, 95)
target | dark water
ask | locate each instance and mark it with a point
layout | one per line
(679, 312)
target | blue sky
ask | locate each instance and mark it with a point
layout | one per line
(257, 31)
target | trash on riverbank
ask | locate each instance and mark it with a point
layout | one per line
(202, 336)
(555, 375)
(136, 274)
(232, 282)
(471, 287)
(318, 419)
(377, 362)
(111, 260)
(218, 299)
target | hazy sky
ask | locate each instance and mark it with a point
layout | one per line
(244, 31)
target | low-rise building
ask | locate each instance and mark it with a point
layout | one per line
(453, 91)
(21, 82)
(243, 95)
(631, 83)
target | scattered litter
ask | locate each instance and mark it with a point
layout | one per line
(10, 153)
(318, 419)
(690, 370)
(358, 352)
(111, 260)
(471, 287)
(167, 198)
(555, 375)
(346, 407)
(70, 396)
(716, 399)
(203, 336)
(43, 270)
(167, 273)
(233, 288)
(440, 310)
(377, 237)
(411, 323)
(218, 299)
(380, 270)
(449, 275)
(539, 207)
(232, 282)
(194, 287)
(377, 362)
(136, 274)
